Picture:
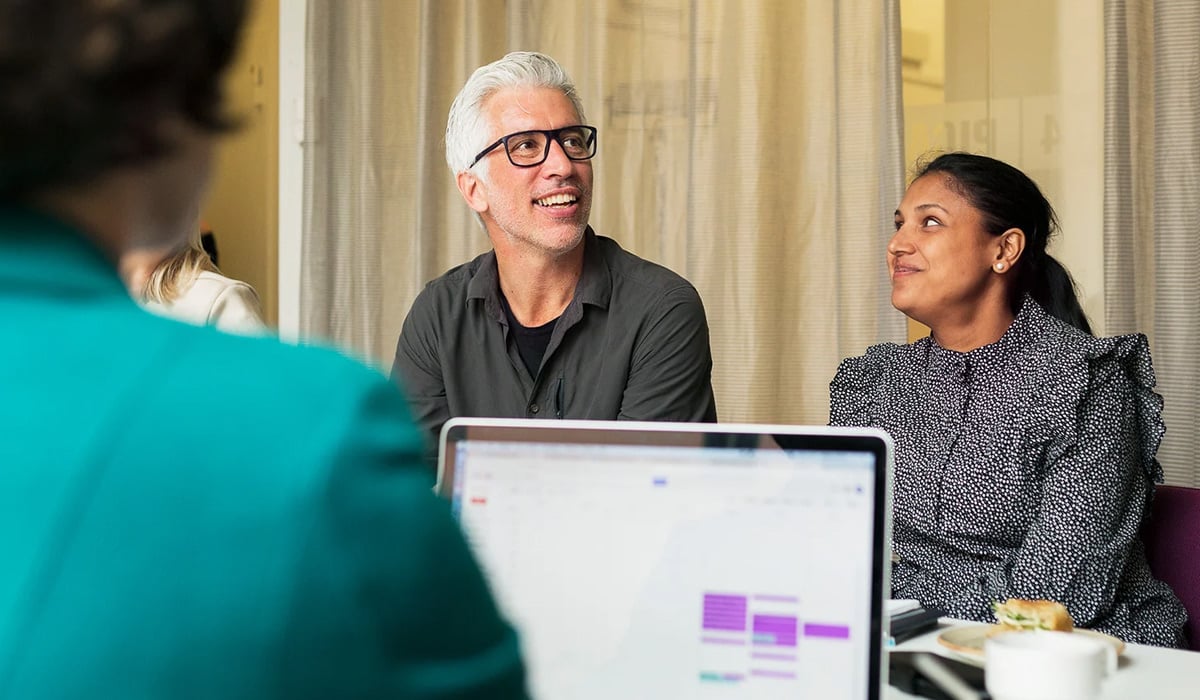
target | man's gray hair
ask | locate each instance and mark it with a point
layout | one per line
(467, 130)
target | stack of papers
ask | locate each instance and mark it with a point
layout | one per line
(895, 606)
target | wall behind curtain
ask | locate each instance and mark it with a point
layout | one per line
(1152, 204)
(242, 203)
(754, 147)
(1022, 81)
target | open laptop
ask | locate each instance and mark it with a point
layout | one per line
(681, 560)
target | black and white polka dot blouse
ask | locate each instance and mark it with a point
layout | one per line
(1023, 469)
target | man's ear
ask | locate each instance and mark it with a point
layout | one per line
(473, 191)
(1011, 245)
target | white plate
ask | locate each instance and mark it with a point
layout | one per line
(966, 641)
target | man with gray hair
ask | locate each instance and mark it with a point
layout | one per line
(555, 321)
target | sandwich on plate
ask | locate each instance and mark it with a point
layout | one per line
(1021, 614)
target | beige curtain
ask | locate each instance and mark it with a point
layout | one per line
(754, 147)
(1152, 204)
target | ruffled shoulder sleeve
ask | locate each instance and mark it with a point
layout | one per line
(856, 390)
(1123, 363)
(1119, 364)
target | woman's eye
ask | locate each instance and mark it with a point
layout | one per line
(898, 223)
(930, 221)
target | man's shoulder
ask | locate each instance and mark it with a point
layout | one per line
(456, 279)
(645, 275)
(452, 288)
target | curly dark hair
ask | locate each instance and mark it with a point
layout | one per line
(87, 85)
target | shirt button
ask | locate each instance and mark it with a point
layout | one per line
(534, 408)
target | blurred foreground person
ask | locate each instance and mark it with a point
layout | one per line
(184, 513)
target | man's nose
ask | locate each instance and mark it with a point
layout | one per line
(556, 159)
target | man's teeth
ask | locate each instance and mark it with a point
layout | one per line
(556, 199)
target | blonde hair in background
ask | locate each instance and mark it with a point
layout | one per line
(178, 271)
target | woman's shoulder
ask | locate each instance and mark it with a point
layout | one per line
(1122, 365)
(1099, 357)
(213, 284)
(877, 360)
(856, 386)
(1085, 370)
(214, 299)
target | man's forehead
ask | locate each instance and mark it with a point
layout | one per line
(519, 107)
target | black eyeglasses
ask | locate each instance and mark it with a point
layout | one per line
(526, 149)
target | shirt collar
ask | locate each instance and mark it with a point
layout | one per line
(1025, 328)
(595, 282)
(594, 286)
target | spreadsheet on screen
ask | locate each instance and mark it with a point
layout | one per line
(664, 571)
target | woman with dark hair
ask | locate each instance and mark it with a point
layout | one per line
(1025, 447)
(183, 512)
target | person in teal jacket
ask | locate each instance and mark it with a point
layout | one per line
(184, 513)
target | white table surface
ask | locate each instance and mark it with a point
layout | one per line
(1145, 672)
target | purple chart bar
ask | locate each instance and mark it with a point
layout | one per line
(724, 612)
(812, 629)
(779, 630)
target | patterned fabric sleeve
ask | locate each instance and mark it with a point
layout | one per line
(1023, 469)
(1097, 482)
(854, 391)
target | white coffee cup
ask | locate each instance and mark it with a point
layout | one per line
(1047, 665)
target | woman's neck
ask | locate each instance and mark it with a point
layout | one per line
(981, 326)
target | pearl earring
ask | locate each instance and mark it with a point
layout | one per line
(999, 267)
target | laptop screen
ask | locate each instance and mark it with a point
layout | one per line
(679, 561)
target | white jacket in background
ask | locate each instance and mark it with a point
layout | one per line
(216, 300)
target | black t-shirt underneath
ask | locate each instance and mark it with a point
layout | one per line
(531, 342)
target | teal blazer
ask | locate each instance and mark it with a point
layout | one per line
(188, 514)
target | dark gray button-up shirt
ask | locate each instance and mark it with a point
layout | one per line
(632, 345)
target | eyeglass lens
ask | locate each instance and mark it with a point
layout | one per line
(532, 147)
